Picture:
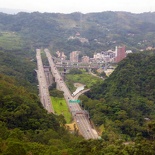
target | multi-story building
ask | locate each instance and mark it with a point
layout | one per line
(85, 59)
(61, 55)
(98, 56)
(74, 56)
(120, 53)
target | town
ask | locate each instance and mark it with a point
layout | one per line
(102, 60)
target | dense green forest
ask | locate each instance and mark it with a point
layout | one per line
(26, 128)
(125, 102)
(125, 115)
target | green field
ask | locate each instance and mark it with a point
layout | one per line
(85, 78)
(60, 107)
(10, 41)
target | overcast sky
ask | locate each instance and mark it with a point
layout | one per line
(84, 6)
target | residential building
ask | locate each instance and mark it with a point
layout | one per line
(74, 56)
(85, 59)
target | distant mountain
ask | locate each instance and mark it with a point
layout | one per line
(103, 30)
(11, 11)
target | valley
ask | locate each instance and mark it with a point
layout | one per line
(114, 114)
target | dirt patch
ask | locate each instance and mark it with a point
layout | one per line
(78, 84)
(71, 126)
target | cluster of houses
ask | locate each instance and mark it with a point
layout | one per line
(103, 57)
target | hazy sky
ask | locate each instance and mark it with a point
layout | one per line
(84, 6)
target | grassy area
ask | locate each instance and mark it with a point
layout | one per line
(84, 78)
(10, 41)
(60, 107)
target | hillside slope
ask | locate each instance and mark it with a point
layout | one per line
(126, 100)
(103, 30)
(133, 76)
(27, 128)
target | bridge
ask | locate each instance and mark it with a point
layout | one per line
(68, 64)
(77, 66)
(48, 75)
(80, 93)
(81, 112)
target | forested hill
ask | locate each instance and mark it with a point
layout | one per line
(125, 102)
(123, 106)
(133, 77)
(20, 109)
(104, 30)
(26, 128)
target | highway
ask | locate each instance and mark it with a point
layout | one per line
(43, 88)
(78, 114)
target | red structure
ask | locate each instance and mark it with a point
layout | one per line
(120, 53)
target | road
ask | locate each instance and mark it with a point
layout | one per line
(80, 93)
(78, 114)
(43, 88)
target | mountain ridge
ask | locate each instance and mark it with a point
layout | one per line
(103, 30)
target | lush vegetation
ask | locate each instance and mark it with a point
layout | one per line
(20, 109)
(124, 102)
(11, 41)
(103, 30)
(123, 105)
(26, 128)
(61, 108)
(18, 67)
(80, 76)
(17, 59)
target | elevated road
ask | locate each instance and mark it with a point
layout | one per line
(79, 66)
(68, 64)
(78, 114)
(80, 93)
(43, 87)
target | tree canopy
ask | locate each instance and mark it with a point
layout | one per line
(126, 100)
